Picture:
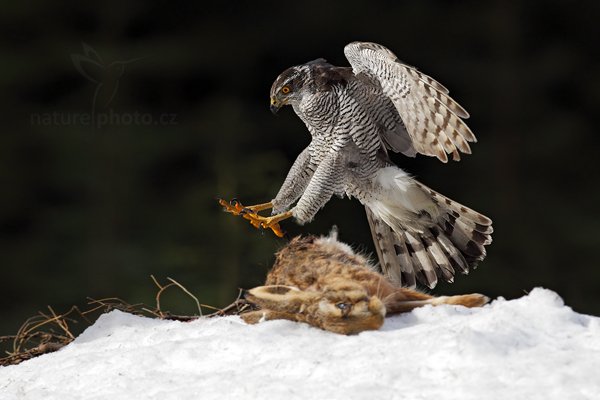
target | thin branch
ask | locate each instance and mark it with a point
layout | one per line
(49, 331)
(188, 292)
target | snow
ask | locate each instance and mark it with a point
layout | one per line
(533, 347)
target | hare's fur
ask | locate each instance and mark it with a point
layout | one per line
(322, 282)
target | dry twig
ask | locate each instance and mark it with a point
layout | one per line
(49, 331)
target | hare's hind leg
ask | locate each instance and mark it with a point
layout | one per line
(467, 300)
(404, 300)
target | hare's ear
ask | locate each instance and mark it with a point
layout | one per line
(280, 298)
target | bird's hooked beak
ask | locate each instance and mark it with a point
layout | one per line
(275, 105)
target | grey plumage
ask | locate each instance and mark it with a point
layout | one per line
(355, 116)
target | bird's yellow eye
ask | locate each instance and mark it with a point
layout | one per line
(285, 89)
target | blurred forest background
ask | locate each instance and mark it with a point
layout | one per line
(93, 208)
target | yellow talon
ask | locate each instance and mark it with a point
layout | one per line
(233, 206)
(269, 222)
(251, 214)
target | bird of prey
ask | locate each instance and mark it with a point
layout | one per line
(356, 115)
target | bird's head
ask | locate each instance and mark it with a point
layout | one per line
(291, 85)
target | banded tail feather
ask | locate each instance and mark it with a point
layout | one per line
(452, 240)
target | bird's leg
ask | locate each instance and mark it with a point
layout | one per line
(236, 208)
(251, 214)
(271, 222)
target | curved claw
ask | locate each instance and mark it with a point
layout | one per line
(232, 206)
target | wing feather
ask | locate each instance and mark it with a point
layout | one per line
(433, 120)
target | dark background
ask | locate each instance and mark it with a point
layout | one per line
(93, 211)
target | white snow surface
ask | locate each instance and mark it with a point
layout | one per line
(533, 347)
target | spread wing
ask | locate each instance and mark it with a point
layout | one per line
(432, 119)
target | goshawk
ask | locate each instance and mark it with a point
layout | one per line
(355, 115)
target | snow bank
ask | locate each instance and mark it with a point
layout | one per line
(530, 348)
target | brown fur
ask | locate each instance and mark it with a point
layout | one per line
(322, 282)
